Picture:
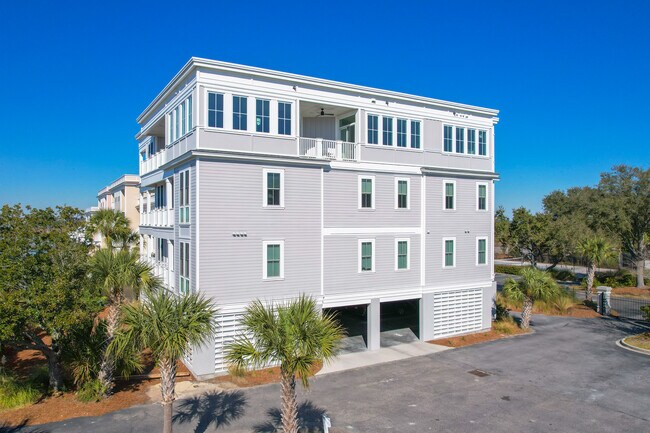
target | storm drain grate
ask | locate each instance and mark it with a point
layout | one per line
(479, 373)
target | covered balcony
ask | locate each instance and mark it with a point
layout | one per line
(328, 131)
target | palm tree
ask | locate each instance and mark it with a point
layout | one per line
(594, 250)
(296, 335)
(169, 326)
(109, 223)
(533, 285)
(121, 275)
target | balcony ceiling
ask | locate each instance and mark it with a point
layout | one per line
(311, 109)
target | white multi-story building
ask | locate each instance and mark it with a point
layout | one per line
(123, 194)
(263, 184)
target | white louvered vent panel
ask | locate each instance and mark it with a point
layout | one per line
(228, 327)
(457, 312)
(188, 357)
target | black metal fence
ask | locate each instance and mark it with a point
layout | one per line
(628, 307)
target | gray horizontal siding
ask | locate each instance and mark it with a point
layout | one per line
(231, 202)
(341, 267)
(341, 199)
(465, 224)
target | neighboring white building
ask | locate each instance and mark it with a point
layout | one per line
(122, 194)
(264, 184)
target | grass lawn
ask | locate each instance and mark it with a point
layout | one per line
(641, 341)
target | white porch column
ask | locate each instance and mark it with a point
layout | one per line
(169, 205)
(149, 213)
(426, 317)
(374, 321)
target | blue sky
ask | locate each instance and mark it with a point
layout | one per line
(571, 78)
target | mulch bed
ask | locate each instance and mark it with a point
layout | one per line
(58, 408)
(469, 339)
(255, 378)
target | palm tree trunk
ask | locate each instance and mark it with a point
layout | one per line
(289, 404)
(167, 389)
(107, 366)
(526, 312)
(591, 272)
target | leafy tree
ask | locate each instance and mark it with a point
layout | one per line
(625, 212)
(534, 285)
(502, 229)
(121, 275)
(594, 250)
(530, 234)
(296, 335)
(112, 225)
(44, 290)
(169, 326)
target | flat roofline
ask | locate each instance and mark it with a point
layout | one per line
(125, 179)
(196, 62)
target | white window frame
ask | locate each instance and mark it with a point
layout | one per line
(265, 182)
(444, 194)
(360, 243)
(444, 252)
(223, 109)
(284, 119)
(453, 139)
(379, 130)
(265, 244)
(372, 201)
(408, 193)
(487, 143)
(487, 195)
(487, 259)
(184, 280)
(185, 195)
(384, 131)
(410, 134)
(408, 254)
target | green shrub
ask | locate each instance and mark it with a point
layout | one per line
(91, 391)
(563, 303)
(620, 278)
(501, 308)
(15, 393)
(646, 311)
(508, 269)
(563, 274)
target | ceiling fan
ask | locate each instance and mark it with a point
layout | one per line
(323, 113)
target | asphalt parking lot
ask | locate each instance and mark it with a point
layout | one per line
(568, 376)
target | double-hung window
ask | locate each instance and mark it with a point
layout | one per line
(402, 193)
(373, 129)
(273, 252)
(239, 113)
(415, 134)
(366, 255)
(159, 197)
(387, 131)
(183, 118)
(184, 207)
(460, 140)
(449, 195)
(284, 118)
(482, 143)
(481, 251)
(471, 141)
(366, 192)
(449, 138)
(262, 115)
(215, 110)
(449, 252)
(402, 261)
(184, 271)
(273, 188)
(401, 132)
(481, 196)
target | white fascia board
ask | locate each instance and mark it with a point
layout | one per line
(376, 167)
(296, 79)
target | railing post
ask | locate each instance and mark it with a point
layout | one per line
(319, 147)
(339, 150)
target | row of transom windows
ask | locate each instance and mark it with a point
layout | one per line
(233, 111)
(462, 140)
(394, 131)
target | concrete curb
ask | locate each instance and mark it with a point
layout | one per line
(622, 344)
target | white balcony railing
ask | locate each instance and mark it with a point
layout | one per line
(162, 270)
(159, 217)
(330, 149)
(171, 152)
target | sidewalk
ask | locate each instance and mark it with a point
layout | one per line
(366, 358)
